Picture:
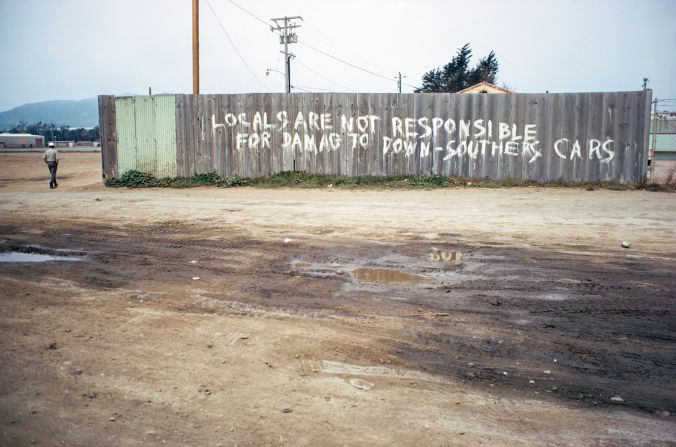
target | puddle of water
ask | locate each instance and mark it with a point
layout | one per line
(389, 276)
(18, 256)
(521, 321)
(553, 297)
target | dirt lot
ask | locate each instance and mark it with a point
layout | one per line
(322, 317)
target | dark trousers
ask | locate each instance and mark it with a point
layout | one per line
(52, 165)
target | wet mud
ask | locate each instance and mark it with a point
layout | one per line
(578, 327)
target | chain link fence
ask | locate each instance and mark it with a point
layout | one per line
(662, 154)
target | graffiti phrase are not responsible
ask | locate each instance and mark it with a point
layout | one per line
(320, 132)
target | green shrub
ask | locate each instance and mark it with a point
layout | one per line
(133, 179)
(428, 180)
(232, 182)
(296, 179)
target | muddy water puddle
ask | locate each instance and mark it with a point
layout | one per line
(37, 253)
(389, 276)
(18, 256)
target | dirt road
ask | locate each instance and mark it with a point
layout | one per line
(244, 316)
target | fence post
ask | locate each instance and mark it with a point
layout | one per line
(654, 140)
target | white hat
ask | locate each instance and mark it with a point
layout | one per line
(50, 144)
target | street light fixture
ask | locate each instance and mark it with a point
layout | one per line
(268, 70)
(267, 73)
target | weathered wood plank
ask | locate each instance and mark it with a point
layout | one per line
(107, 128)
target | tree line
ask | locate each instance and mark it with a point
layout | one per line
(51, 132)
(458, 75)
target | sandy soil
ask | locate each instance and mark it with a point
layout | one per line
(323, 317)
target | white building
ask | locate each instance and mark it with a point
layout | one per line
(21, 140)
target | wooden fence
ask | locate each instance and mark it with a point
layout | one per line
(571, 136)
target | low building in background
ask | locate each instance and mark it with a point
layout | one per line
(21, 140)
(66, 143)
(87, 143)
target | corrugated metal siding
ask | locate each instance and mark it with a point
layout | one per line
(146, 134)
(126, 134)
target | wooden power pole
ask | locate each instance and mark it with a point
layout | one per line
(195, 47)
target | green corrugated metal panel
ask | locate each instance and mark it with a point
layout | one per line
(126, 134)
(165, 135)
(146, 131)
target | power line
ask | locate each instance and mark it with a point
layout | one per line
(234, 46)
(345, 62)
(246, 11)
(300, 88)
(319, 51)
(323, 77)
(333, 44)
(352, 65)
(250, 13)
(313, 89)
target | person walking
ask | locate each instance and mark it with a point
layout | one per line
(51, 158)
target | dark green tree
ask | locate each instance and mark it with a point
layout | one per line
(457, 74)
(485, 70)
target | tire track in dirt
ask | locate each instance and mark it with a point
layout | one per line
(497, 320)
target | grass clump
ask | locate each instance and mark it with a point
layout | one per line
(296, 179)
(429, 181)
(133, 179)
(657, 187)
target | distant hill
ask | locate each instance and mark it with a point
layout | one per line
(84, 113)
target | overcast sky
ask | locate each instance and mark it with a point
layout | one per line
(76, 49)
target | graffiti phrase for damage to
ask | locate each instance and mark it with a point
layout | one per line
(319, 132)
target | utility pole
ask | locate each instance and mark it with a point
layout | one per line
(195, 47)
(398, 78)
(284, 25)
(645, 83)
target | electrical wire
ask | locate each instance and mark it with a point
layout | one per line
(250, 13)
(315, 49)
(334, 45)
(345, 62)
(313, 89)
(301, 89)
(322, 76)
(235, 47)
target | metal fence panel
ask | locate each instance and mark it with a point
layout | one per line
(663, 142)
(570, 136)
(146, 135)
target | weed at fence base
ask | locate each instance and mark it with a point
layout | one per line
(295, 179)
